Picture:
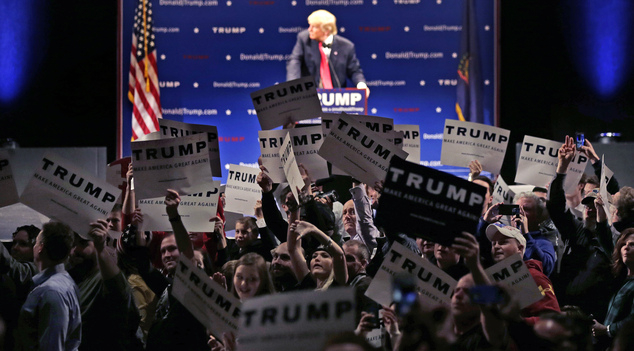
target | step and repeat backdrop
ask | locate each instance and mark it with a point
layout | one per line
(213, 53)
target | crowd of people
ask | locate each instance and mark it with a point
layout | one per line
(66, 291)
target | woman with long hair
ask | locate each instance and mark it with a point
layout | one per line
(621, 307)
(327, 264)
(251, 277)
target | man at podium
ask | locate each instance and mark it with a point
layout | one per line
(321, 53)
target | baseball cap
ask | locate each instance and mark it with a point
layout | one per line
(589, 198)
(509, 231)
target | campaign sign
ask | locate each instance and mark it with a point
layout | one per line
(286, 102)
(538, 164)
(175, 129)
(428, 203)
(358, 151)
(434, 286)
(411, 141)
(502, 192)
(340, 100)
(213, 306)
(242, 190)
(397, 138)
(8, 189)
(180, 164)
(291, 171)
(302, 319)
(69, 194)
(381, 125)
(270, 144)
(464, 142)
(606, 175)
(196, 210)
(513, 272)
(306, 144)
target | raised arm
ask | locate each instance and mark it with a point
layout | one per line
(495, 329)
(563, 220)
(588, 150)
(298, 262)
(172, 199)
(338, 256)
(105, 255)
(129, 200)
(363, 210)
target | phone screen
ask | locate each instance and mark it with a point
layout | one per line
(486, 295)
(581, 139)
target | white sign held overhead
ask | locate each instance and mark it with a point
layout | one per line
(358, 151)
(538, 164)
(196, 210)
(411, 141)
(242, 191)
(286, 102)
(64, 192)
(464, 142)
(181, 164)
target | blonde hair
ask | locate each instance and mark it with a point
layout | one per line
(326, 20)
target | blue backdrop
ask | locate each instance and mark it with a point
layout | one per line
(212, 54)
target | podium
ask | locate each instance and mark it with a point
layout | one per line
(348, 100)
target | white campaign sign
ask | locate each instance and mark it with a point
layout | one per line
(513, 272)
(291, 171)
(433, 285)
(286, 102)
(464, 142)
(358, 151)
(181, 164)
(8, 190)
(381, 125)
(242, 189)
(411, 141)
(175, 129)
(538, 164)
(270, 144)
(196, 210)
(606, 175)
(502, 192)
(302, 319)
(306, 144)
(64, 192)
(213, 306)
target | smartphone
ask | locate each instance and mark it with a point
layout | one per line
(509, 210)
(580, 139)
(486, 295)
(374, 321)
(404, 293)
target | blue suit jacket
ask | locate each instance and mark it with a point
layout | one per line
(306, 59)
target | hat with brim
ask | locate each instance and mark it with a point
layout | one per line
(589, 198)
(508, 231)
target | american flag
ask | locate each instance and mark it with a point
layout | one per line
(143, 89)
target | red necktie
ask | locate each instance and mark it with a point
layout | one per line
(324, 70)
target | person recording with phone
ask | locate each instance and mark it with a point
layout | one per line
(525, 216)
(321, 53)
